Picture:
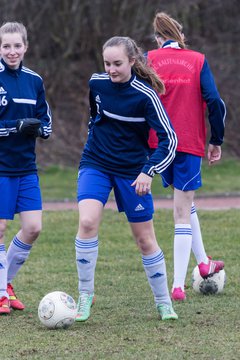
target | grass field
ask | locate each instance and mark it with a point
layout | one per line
(223, 178)
(124, 323)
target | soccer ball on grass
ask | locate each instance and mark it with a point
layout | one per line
(57, 310)
(213, 284)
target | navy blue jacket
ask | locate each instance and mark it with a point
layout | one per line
(121, 116)
(22, 95)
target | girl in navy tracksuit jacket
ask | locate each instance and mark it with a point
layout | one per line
(24, 115)
(124, 107)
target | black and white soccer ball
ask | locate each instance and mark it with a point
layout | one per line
(57, 310)
(214, 284)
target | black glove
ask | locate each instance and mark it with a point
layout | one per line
(37, 132)
(29, 126)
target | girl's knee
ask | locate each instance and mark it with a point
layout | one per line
(32, 231)
(87, 225)
(146, 244)
(3, 226)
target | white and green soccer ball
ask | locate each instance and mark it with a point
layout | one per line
(214, 284)
(57, 310)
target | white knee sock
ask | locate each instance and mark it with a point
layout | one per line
(155, 269)
(86, 259)
(17, 254)
(3, 271)
(182, 251)
(197, 242)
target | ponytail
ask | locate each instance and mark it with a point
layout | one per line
(168, 28)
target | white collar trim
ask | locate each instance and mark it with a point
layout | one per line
(173, 45)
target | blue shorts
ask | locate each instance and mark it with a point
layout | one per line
(19, 194)
(94, 184)
(184, 173)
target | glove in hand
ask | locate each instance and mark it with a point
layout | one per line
(28, 126)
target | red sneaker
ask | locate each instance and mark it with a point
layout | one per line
(4, 305)
(14, 302)
(211, 268)
(178, 294)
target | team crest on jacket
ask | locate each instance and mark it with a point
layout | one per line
(2, 67)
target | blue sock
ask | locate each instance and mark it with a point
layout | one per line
(86, 260)
(155, 269)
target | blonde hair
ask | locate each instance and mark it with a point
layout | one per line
(14, 27)
(168, 28)
(140, 66)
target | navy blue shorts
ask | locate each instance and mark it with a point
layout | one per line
(19, 194)
(184, 173)
(95, 184)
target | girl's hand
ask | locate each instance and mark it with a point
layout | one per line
(142, 184)
(214, 153)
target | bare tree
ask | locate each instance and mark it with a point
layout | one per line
(66, 38)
